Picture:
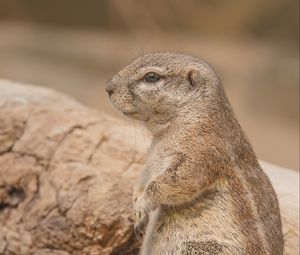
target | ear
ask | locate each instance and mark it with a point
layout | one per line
(195, 79)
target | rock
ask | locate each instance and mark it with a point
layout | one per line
(286, 185)
(66, 177)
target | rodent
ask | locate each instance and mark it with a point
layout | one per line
(202, 190)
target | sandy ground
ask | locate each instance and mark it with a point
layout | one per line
(261, 79)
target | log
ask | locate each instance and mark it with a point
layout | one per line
(66, 178)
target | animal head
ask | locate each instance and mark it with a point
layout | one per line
(161, 84)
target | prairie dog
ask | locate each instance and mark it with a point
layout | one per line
(202, 190)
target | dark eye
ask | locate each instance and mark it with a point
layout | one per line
(152, 77)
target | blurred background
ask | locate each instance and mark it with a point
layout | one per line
(75, 46)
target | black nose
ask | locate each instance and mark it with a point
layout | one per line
(109, 89)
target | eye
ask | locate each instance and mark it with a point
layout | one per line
(152, 77)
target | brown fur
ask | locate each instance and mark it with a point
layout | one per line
(202, 190)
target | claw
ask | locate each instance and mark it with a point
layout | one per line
(139, 235)
(140, 228)
(142, 208)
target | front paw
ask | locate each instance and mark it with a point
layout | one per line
(136, 194)
(142, 208)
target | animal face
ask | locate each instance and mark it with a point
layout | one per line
(157, 83)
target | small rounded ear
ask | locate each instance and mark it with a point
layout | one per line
(196, 79)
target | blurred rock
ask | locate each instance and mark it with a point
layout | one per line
(286, 184)
(66, 178)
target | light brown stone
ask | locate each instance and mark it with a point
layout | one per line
(65, 181)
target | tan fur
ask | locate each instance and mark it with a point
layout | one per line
(202, 190)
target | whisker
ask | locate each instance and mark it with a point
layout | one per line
(134, 135)
(142, 48)
(141, 126)
(123, 131)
